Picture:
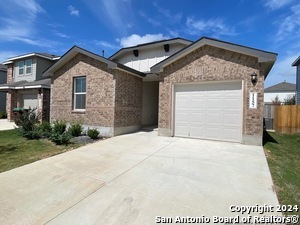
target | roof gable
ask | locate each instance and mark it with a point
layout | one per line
(149, 45)
(76, 50)
(263, 56)
(281, 87)
(296, 62)
(36, 54)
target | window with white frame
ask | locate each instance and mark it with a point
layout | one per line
(28, 64)
(21, 67)
(25, 67)
(79, 93)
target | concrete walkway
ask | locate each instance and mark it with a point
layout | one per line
(5, 125)
(132, 179)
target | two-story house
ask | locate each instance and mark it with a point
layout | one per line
(297, 64)
(3, 80)
(26, 87)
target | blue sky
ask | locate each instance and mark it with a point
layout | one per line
(55, 26)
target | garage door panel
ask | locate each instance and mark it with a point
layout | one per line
(198, 118)
(30, 101)
(212, 111)
(213, 133)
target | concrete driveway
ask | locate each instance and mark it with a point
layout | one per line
(136, 179)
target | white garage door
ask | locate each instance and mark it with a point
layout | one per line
(30, 101)
(209, 111)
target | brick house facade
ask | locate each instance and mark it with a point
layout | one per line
(113, 96)
(29, 89)
(214, 64)
(116, 95)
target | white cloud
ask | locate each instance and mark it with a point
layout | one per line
(136, 39)
(150, 19)
(106, 44)
(283, 70)
(17, 22)
(116, 14)
(4, 55)
(73, 11)
(215, 27)
(59, 34)
(289, 25)
(276, 4)
(174, 17)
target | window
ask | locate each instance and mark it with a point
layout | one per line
(28, 64)
(79, 93)
(25, 67)
(21, 67)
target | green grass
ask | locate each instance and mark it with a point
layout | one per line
(283, 155)
(17, 151)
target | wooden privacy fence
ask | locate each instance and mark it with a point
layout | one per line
(287, 119)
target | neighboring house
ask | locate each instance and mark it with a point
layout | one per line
(26, 87)
(297, 64)
(207, 89)
(282, 90)
(3, 80)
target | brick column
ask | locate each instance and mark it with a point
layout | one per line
(11, 103)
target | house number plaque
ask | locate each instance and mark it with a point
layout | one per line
(253, 100)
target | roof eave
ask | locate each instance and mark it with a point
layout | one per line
(263, 56)
(296, 62)
(76, 50)
(153, 44)
(31, 55)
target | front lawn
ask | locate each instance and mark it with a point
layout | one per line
(17, 151)
(283, 155)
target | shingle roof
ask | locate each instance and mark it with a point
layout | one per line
(45, 83)
(3, 67)
(281, 87)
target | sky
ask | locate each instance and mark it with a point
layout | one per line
(55, 26)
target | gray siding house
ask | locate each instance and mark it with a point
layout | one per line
(26, 87)
(297, 64)
(3, 80)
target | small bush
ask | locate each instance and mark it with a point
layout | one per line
(59, 126)
(3, 115)
(93, 133)
(75, 129)
(33, 134)
(60, 139)
(27, 124)
(45, 129)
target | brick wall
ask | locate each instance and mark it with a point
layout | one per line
(10, 70)
(44, 104)
(213, 64)
(128, 100)
(11, 103)
(99, 93)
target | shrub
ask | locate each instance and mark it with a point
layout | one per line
(59, 126)
(290, 100)
(27, 124)
(45, 129)
(93, 133)
(3, 115)
(33, 134)
(75, 129)
(60, 139)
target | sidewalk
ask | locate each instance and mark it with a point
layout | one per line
(5, 125)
